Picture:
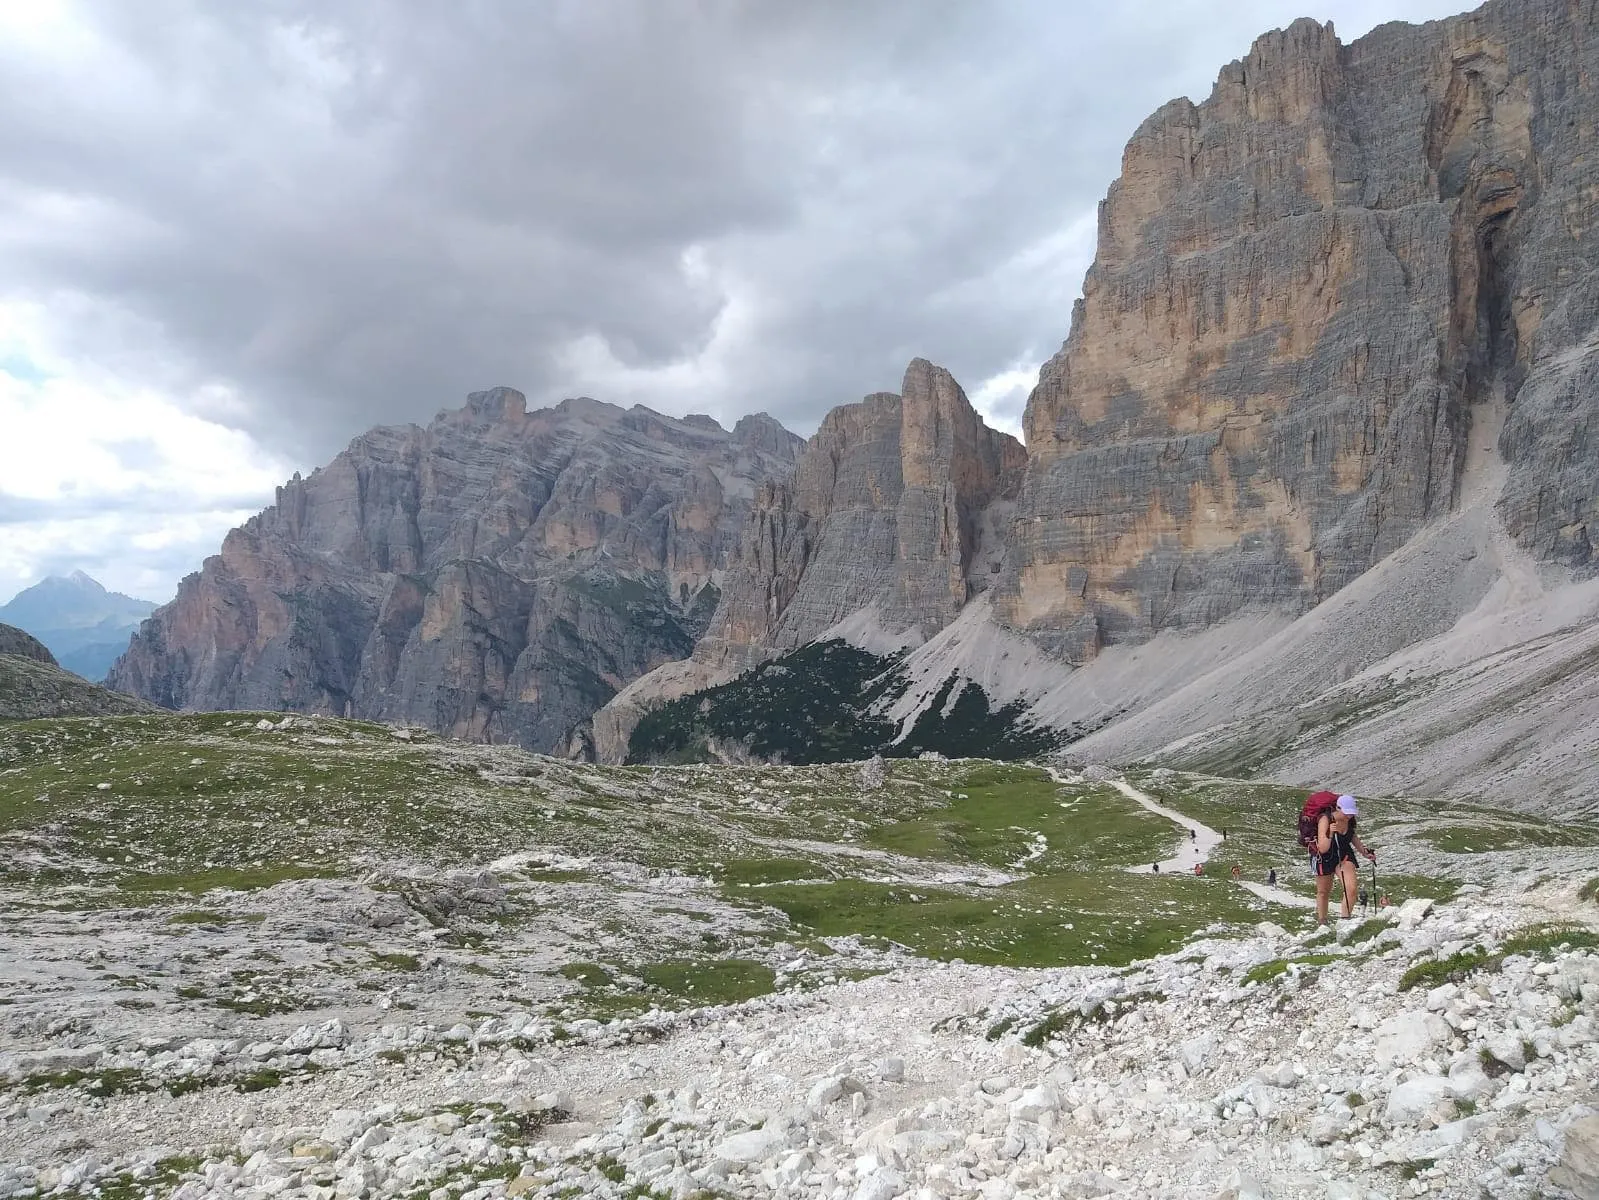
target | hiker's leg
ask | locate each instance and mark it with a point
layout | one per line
(1346, 875)
(1323, 893)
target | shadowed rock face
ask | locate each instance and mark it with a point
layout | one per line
(19, 644)
(899, 507)
(1307, 290)
(498, 575)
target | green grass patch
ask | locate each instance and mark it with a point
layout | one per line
(1506, 834)
(235, 879)
(114, 1082)
(589, 974)
(260, 1081)
(205, 916)
(1367, 930)
(1060, 920)
(1059, 1022)
(710, 981)
(397, 961)
(1544, 941)
(1000, 811)
(1456, 968)
(1278, 967)
(756, 872)
(1589, 890)
(1538, 941)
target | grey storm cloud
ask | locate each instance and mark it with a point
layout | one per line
(355, 212)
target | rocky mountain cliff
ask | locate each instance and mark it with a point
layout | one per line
(1343, 314)
(1307, 291)
(497, 575)
(895, 517)
(1340, 327)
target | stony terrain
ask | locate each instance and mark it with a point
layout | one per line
(256, 955)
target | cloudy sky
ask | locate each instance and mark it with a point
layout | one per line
(232, 236)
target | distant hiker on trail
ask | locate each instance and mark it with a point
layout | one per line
(1224, 833)
(1155, 868)
(1193, 835)
(1238, 872)
(1199, 868)
(1271, 877)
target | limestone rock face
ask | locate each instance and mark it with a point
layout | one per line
(1309, 290)
(898, 509)
(896, 515)
(497, 575)
(32, 685)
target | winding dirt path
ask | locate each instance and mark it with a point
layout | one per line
(1195, 848)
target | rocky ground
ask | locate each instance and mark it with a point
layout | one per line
(1390, 1061)
(752, 982)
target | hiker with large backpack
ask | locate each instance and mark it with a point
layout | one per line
(1327, 832)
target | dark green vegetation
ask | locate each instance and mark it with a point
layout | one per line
(1367, 930)
(709, 981)
(1506, 831)
(1267, 971)
(821, 703)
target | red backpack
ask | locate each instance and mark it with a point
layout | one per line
(1317, 805)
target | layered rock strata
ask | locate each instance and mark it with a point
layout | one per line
(895, 517)
(1307, 289)
(497, 575)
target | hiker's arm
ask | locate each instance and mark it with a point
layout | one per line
(1323, 835)
(1364, 849)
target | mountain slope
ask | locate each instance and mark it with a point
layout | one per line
(1323, 419)
(498, 575)
(32, 685)
(85, 626)
(894, 518)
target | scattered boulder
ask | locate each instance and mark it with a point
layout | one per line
(1578, 1168)
(1406, 1036)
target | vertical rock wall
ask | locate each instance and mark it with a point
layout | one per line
(1305, 288)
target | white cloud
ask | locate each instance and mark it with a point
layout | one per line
(111, 477)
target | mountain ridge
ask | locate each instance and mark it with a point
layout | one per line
(1340, 326)
(86, 625)
(497, 574)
